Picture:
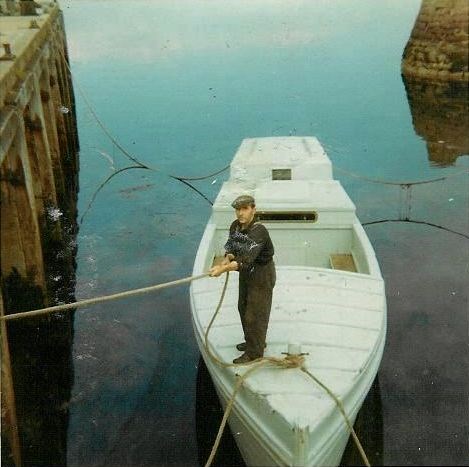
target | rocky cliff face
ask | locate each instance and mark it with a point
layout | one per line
(438, 47)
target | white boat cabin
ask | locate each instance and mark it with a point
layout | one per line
(309, 216)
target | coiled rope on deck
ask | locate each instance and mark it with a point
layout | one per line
(289, 361)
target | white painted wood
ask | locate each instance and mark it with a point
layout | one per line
(281, 417)
(304, 156)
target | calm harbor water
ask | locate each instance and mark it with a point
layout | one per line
(179, 85)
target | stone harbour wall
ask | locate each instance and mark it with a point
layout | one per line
(438, 47)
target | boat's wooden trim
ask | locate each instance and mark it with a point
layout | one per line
(343, 261)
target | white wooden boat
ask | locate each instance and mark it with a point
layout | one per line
(329, 299)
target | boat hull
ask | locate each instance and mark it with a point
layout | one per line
(257, 449)
(329, 301)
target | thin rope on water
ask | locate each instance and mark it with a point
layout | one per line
(405, 200)
(185, 180)
(289, 361)
(102, 185)
(121, 147)
(411, 221)
(396, 183)
(407, 185)
(139, 165)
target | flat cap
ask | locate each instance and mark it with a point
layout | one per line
(243, 200)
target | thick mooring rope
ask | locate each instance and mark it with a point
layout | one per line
(289, 361)
(104, 298)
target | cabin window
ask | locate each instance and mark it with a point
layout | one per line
(281, 174)
(309, 216)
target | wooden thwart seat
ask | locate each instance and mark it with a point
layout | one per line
(344, 262)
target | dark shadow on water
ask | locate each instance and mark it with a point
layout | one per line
(43, 377)
(368, 427)
(209, 413)
(41, 347)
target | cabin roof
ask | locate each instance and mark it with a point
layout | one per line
(290, 150)
(303, 157)
(283, 173)
(278, 195)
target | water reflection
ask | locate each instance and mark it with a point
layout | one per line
(440, 115)
(368, 427)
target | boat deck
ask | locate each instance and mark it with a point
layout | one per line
(336, 316)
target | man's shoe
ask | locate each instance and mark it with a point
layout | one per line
(242, 347)
(244, 359)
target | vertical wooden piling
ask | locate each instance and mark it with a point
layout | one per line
(8, 393)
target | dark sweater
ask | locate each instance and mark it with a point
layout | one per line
(250, 246)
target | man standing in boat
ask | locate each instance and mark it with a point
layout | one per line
(249, 250)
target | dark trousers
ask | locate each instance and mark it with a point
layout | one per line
(254, 303)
